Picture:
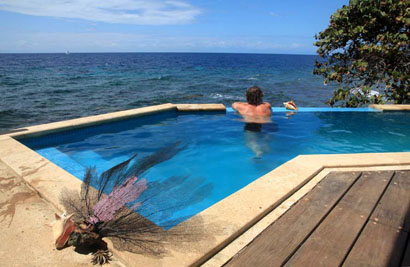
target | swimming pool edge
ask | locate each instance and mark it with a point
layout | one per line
(222, 222)
(54, 127)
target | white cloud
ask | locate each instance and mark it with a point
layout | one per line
(148, 12)
(273, 14)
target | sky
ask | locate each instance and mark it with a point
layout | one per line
(233, 26)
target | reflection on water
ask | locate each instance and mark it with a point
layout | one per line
(258, 137)
(163, 199)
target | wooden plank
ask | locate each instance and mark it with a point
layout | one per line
(383, 240)
(394, 207)
(282, 238)
(378, 245)
(331, 241)
(406, 256)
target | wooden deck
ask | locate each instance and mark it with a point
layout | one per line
(349, 219)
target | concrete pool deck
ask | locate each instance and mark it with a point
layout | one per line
(27, 238)
(218, 231)
(390, 107)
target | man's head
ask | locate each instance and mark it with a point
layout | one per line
(254, 96)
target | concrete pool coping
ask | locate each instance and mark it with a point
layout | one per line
(53, 127)
(218, 225)
(390, 107)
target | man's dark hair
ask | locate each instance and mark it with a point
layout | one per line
(254, 96)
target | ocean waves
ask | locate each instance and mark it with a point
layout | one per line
(41, 88)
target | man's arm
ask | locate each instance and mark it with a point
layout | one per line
(238, 106)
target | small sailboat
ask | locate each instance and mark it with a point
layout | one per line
(67, 52)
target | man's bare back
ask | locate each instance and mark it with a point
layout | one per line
(251, 110)
(254, 110)
(258, 114)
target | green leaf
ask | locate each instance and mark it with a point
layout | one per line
(367, 42)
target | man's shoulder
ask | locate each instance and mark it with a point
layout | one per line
(264, 109)
(266, 104)
(238, 105)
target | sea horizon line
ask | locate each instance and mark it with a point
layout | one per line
(70, 52)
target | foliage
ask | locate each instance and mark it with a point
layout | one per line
(98, 215)
(118, 214)
(366, 47)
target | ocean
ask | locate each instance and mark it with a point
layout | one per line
(42, 88)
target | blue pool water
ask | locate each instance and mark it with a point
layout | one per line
(219, 157)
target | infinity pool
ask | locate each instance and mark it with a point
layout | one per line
(221, 153)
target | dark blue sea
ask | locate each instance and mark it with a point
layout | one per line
(41, 88)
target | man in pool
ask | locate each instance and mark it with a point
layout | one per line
(255, 112)
(254, 108)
